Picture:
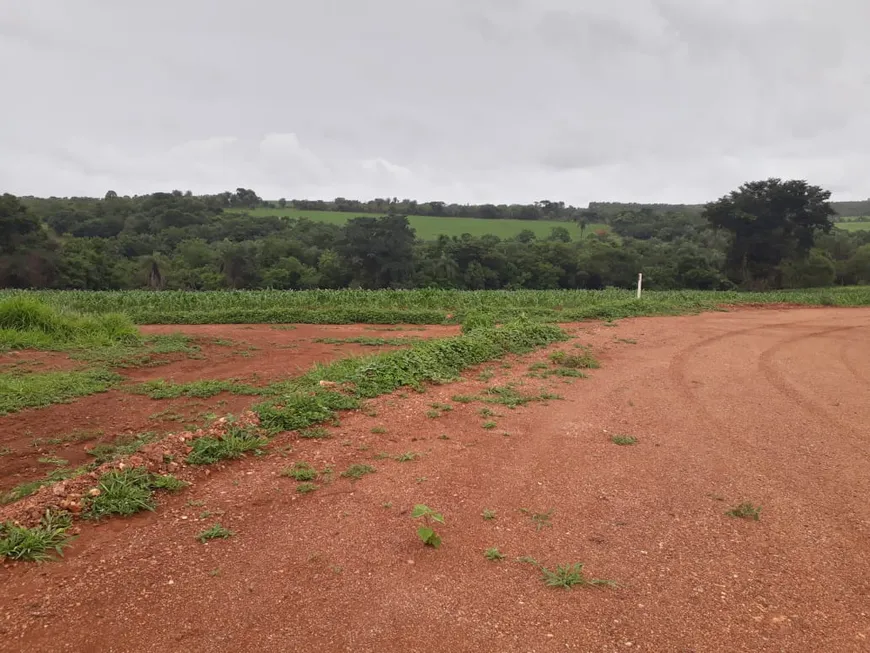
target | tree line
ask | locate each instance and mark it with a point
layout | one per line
(766, 234)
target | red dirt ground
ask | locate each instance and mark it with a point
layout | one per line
(769, 407)
(258, 354)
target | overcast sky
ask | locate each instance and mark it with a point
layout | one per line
(457, 100)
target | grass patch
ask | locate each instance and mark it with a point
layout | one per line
(142, 353)
(406, 457)
(367, 341)
(214, 532)
(541, 520)
(583, 360)
(234, 444)
(356, 472)
(624, 440)
(38, 543)
(745, 510)
(489, 515)
(569, 575)
(509, 396)
(300, 471)
(463, 399)
(378, 430)
(122, 446)
(306, 488)
(489, 425)
(205, 388)
(493, 554)
(20, 391)
(75, 436)
(126, 492)
(26, 322)
(304, 401)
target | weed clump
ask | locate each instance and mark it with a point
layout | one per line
(36, 544)
(127, 491)
(234, 444)
(215, 532)
(745, 510)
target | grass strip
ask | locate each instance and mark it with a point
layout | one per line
(341, 385)
(20, 391)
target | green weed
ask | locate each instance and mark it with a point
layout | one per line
(300, 471)
(36, 543)
(305, 488)
(204, 388)
(315, 433)
(539, 519)
(569, 575)
(624, 440)
(493, 554)
(234, 444)
(215, 532)
(122, 492)
(357, 471)
(745, 511)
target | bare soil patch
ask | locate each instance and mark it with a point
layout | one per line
(768, 407)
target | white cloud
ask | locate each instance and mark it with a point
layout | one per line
(461, 100)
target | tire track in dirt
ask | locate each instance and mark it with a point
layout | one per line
(803, 400)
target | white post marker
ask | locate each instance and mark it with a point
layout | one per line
(639, 284)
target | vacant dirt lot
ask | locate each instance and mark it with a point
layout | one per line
(770, 407)
(256, 354)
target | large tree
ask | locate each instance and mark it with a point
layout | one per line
(379, 250)
(770, 221)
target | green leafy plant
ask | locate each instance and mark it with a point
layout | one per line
(378, 430)
(214, 532)
(426, 532)
(489, 515)
(745, 510)
(623, 440)
(406, 457)
(489, 425)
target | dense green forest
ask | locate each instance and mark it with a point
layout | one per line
(767, 234)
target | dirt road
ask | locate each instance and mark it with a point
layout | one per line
(770, 407)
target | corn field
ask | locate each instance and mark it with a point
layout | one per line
(431, 306)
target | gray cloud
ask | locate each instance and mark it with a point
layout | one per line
(462, 100)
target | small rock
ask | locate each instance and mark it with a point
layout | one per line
(94, 492)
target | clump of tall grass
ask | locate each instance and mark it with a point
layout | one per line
(28, 323)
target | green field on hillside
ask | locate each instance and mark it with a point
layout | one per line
(429, 228)
(864, 225)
